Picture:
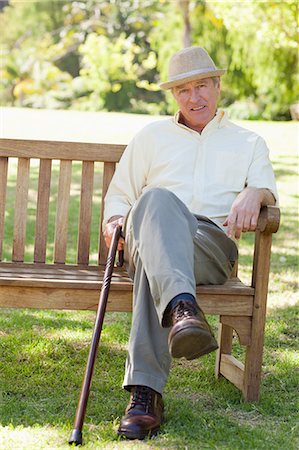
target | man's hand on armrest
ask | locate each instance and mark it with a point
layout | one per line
(245, 210)
(109, 228)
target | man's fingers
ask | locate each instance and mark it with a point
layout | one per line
(109, 230)
(250, 221)
(121, 244)
(244, 212)
(231, 223)
(240, 221)
(246, 223)
(254, 219)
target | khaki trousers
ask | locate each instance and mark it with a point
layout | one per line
(168, 251)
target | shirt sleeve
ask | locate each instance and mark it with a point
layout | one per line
(260, 173)
(128, 180)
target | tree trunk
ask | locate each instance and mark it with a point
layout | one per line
(184, 6)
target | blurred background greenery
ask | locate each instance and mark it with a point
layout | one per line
(109, 55)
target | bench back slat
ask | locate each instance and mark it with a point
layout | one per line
(20, 213)
(85, 212)
(3, 182)
(61, 226)
(109, 168)
(42, 210)
(40, 197)
(76, 151)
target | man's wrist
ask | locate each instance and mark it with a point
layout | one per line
(264, 194)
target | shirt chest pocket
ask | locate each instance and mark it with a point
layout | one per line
(230, 170)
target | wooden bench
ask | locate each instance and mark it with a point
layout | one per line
(60, 285)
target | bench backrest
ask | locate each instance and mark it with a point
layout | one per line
(41, 182)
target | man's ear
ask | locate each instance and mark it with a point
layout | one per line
(173, 93)
(219, 87)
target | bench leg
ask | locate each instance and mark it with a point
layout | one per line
(225, 341)
(230, 367)
(252, 375)
(254, 354)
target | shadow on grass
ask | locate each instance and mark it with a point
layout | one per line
(42, 370)
(289, 168)
(43, 359)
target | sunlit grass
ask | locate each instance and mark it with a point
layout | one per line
(42, 364)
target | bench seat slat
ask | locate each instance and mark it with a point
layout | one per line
(120, 299)
(69, 275)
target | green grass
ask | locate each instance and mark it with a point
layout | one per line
(43, 356)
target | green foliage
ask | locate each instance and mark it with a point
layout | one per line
(29, 75)
(263, 46)
(110, 73)
(118, 66)
(110, 55)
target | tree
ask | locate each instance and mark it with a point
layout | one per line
(185, 5)
(263, 48)
(111, 54)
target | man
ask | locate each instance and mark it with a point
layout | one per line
(184, 189)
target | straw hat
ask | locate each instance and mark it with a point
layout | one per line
(191, 63)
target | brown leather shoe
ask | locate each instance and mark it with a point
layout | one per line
(143, 415)
(190, 335)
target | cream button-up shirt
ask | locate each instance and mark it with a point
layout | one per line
(206, 171)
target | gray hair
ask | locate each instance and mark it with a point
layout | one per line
(216, 81)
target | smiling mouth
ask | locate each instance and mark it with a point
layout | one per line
(199, 108)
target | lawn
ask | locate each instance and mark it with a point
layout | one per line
(43, 356)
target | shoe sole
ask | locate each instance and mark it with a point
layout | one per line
(191, 343)
(141, 436)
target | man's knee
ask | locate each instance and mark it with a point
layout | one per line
(163, 204)
(156, 194)
(155, 197)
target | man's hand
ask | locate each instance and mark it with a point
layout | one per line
(109, 229)
(245, 210)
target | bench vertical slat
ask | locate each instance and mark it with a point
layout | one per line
(42, 210)
(109, 169)
(3, 181)
(85, 212)
(21, 210)
(61, 226)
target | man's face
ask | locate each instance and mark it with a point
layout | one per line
(197, 101)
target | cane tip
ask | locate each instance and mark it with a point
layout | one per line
(76, 437)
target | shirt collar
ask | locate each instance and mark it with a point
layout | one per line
(219, 121)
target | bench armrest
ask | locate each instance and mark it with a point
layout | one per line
(269, 218)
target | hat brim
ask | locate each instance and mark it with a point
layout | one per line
(185, 78)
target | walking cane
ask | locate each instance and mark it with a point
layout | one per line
(76, 434)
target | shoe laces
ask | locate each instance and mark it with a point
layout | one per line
(184, 310)
(142, 398)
